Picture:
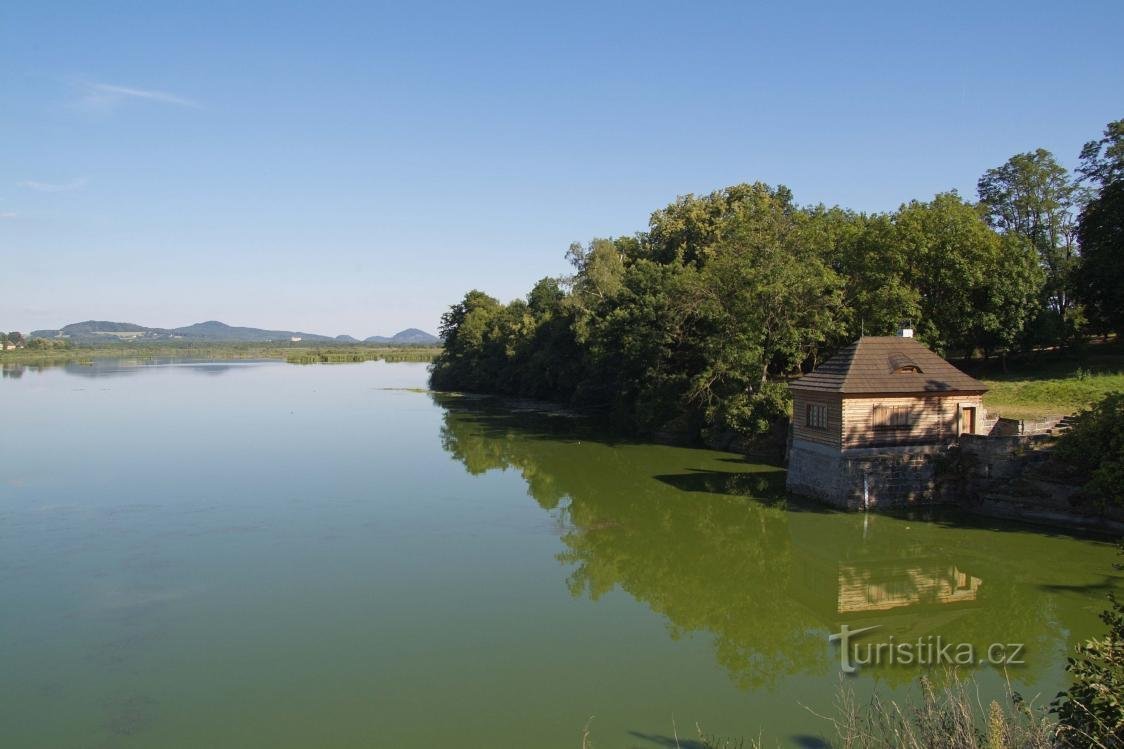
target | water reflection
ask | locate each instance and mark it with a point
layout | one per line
(713, 545)
(862, 591)
(122, 367)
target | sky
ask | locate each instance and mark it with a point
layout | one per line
(355, 167)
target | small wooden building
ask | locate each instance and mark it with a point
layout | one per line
(868, 423)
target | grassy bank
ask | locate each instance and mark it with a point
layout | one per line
(1052, 382)
(333, 356)
(1064, 395)
(217, 352)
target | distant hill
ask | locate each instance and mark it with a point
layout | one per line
(212, 331)
(411, 336)
(218, 332)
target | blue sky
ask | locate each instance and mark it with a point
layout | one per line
(355, 167)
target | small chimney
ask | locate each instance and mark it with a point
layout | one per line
(906, 331)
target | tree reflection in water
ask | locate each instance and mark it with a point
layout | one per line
(713, 545)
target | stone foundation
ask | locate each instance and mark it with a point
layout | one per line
(1017, 478)
(867, 478)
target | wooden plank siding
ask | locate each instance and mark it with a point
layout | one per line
(832, 430)
(933, 419)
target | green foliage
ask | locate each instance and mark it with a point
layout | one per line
(1095, 446)
(1033, 197)
(361, 354)
(691, 327)
(687, 230)
(1102, 161)
(941, 265)
(681, 329)
(688, 327)
(1091, 711)
(1100, 278)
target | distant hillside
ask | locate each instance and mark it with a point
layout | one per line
(212, 331)
(102, 330)
(218, 332)
(411, 336)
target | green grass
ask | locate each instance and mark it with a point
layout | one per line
(1052, 383)
(385, 354)
(1064, 395)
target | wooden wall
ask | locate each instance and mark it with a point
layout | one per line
(935, 418)
(831, 434)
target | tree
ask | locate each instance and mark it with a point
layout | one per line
(943, 260)
(687, 230)
(1033, 196)
(1095, 448)
(545, 296)
(765, 300)
(1100, 277)
(1091, 711)
(599, 267)
(691, 328)
(467, 330)
(1102, 161)
(1010, 297)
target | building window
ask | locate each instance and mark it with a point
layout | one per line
(815, 416)
(892, 417)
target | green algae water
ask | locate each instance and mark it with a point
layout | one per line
(267, 555)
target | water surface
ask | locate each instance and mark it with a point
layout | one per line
(255, 554)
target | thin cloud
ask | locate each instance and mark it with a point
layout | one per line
(75, 184)
(105, 96)
(8, 215)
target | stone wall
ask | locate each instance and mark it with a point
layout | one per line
(1017, 477)
(866, 478)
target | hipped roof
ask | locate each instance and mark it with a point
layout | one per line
(873, 364)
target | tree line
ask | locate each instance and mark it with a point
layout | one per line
(692, 325)
(17, 340)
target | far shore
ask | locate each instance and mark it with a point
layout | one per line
(293, 352)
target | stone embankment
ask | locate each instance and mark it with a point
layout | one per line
(1017, 477)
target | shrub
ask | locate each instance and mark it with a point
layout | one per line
(1091, 712)
(1095, 446)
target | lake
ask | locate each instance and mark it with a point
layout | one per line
(257, 554)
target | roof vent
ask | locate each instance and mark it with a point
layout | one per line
(905, 332)
(900, 363)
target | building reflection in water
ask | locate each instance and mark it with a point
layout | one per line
(714, 546)
(864, 590)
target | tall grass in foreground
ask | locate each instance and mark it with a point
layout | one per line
(952, 716)
(1090, 714)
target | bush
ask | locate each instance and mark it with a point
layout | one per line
(1095, 446)
(1091, 712)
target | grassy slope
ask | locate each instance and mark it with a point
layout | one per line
(1051, 383)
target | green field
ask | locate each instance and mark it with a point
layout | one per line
(1051, 383)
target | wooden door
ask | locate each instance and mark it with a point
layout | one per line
(968, 420)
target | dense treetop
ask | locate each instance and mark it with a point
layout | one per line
(691, 326)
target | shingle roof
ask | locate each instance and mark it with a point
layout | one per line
(873, 364)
